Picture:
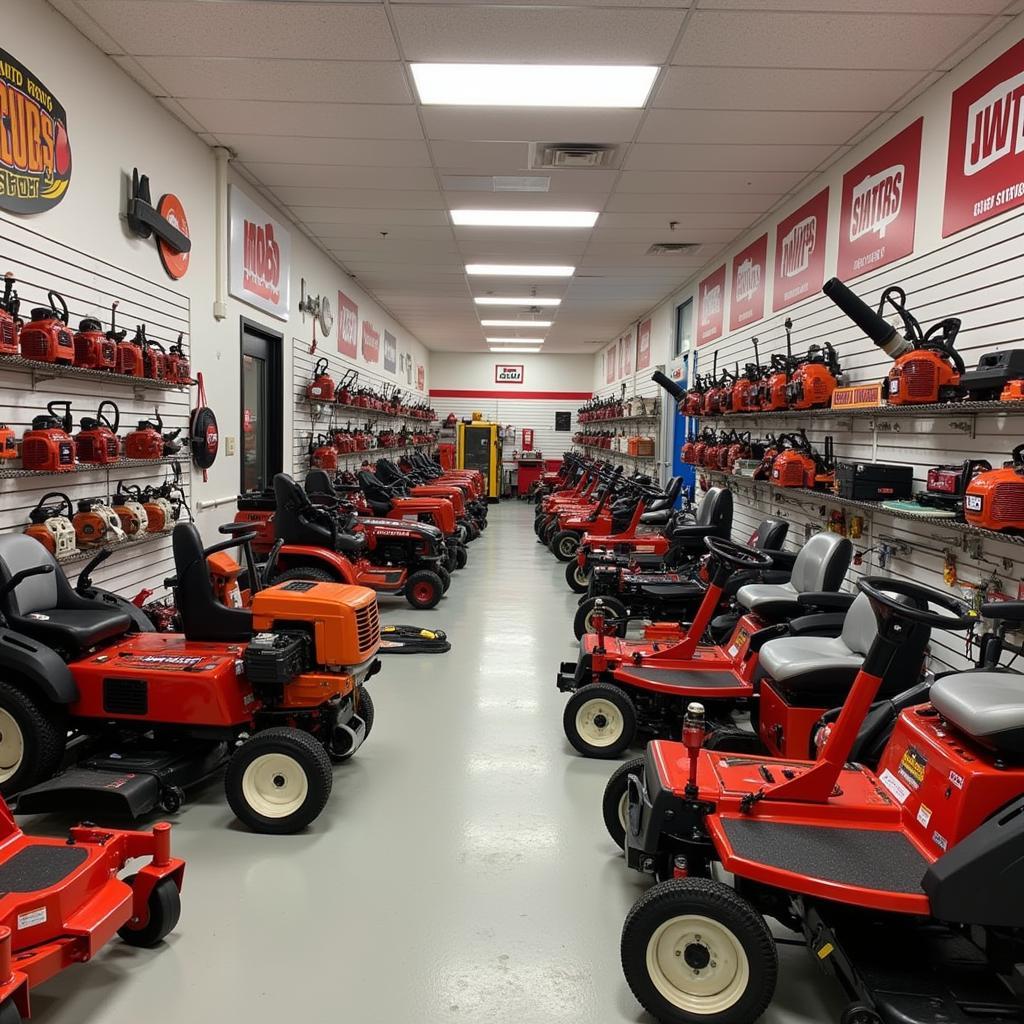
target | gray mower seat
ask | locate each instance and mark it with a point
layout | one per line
(820, 566)
(987, 706)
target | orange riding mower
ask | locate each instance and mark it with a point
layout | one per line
(467, 508)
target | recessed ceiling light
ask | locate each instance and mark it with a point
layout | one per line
(516, 323)
(508, 351)
(534, 85)
(515, 341)
(518, 270)
(504, 300)
(525, 218)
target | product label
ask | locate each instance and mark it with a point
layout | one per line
(924, 815)
(940, 841)
(957, 780)
(913, 765)
(973, 502)
(32, 918)
(894, 786)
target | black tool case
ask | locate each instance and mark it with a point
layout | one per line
(874, 481)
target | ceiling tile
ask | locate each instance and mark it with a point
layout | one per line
(726, 158)
(515, 124)
(196, 28)
(318, 215)
(765, 182)
(973, 42)
(672, 206)
(182, 114)
(796, 39)
(765, 127)
(488, 157)
(328, 176)
(562, 182)
(389, 153)
(359, 198)
(525, 200)
(85, 24)
(313, 81)
(863, 6)
(340, 236)
(330, 120)
(536, 34)
(684, 221)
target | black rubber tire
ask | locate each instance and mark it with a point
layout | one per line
(43, 733)
(164, 911)
(461, 557)
(365, 710)
(549, 532)
(9, 1013)
(423, 589)
(308, 752)
(573, 575)
(614, 792)
(679, 897)
(564, 545)
(306, 572)
(613, 608)
(613, 695)
(446, 578)
(855, 1013)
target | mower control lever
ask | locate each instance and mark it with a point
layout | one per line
(19, 577)
(84, 582)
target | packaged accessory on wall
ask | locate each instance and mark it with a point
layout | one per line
(48, 445)
(10, 325)
(46, 338)
(50, 524)
(97, 443)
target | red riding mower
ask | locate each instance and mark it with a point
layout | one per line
(559, 479)
(63, 901)
(319, 542)
(582, 479)
(423, 472)
(903, 879)
(275, 693)
(620, 688)
(405, 486)
(674, 596)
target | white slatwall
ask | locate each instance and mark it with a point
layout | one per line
(89, 286)
(975, 276)
(304, 423)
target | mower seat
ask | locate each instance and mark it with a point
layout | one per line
(668, 499)
(203, 617)
(661, 517)
(299, 521)
(987, 706)
(319, 482)
(714, 519)
(820, 566)
(47, 608)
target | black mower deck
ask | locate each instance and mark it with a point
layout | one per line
(39, 867)
(682, 678)
(884, 860)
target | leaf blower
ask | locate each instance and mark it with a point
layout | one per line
(95, 523)
(321, 387)
(322, 454)
(927, 368)
(10, 325)
(94, 349)
(48, 445)
(130, 353)
(46, 338)
(815, 378)
(98, 443)
(146, 441)
(994, 500)
(745, 395)
(795, 465)
(50, 524)
(129, 509)
(772, 390)
(8, 442)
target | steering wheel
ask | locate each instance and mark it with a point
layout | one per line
(884, 595)
(737, 555)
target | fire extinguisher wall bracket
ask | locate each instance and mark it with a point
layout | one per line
(204, 437)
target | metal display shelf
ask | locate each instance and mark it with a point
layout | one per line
(48, 371)
(393, 448)
(873, 507)
(93, 467)
(886, 411)
(81, 554)
(620, 419)
(612, 454)
(362, 412)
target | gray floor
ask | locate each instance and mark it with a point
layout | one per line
(461, 871)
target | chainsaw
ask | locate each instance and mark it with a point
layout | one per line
(10, 325)
(97, 443)
(50, 524)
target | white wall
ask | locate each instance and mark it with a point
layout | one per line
(975, 275)
(113, 126)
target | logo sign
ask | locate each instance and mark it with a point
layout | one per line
(879, 207)
(371, 343)
(390, 352)
(711, 306)
(627, 347)
(421, 376)
(259, 256)
(985, 158)
(749, 270)
(35, 151)
(609, 364)
(857, 396)
(348, 326)
(800, 252)
(643, 345)
(505, 373)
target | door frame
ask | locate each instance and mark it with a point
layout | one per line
(274, 341)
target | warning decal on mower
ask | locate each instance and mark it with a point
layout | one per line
(894, 785)
(913, 765)
(32, 918)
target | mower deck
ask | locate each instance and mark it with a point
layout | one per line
(671, 680)
(38, 867)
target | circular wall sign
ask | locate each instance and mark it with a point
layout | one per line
(175, 263)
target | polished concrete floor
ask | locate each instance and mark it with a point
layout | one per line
(460, 872)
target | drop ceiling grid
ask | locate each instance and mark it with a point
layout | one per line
(753, 99)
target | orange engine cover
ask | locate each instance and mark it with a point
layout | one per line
(920, 377)
(791, 469)
(995, 500)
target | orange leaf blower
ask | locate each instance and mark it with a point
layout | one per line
(94, 349)
(46, 338)
(815, 378)
(98, 443)
(927, 368)
(48, 445)
(994, 499)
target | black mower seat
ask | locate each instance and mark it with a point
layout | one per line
(203, 617)
(819, 567)
(673, 591)
(46, 608)
(299, 521)
(987, 706)
(661, 517)
(668, 499)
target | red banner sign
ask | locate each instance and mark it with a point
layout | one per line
(348, 326)
(711, 307)
(371, 343)
(749, 271)
(609, 364)
(985, 158)
(421, 377)
(627, 349)
(800, 252)
(643, 345)
(879, 209)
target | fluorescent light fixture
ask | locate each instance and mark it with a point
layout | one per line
(516, 323)
(515, 341)
(534, 85)
(506, 351)
(525, 218)
(518, 270)
(501, 300)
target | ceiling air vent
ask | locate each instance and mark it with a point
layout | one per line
(575, 155)
(672, 248)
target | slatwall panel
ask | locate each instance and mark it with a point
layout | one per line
(303, 421)
(975, 276)
(89, 285)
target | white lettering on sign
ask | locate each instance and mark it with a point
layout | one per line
(995, 125)
(748, 280)
(877, 202)
(711, 302)
(798, 245)
(261, 262)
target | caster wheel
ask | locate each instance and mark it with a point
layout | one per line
(164, 906)
(172, 798)
(859, 1013)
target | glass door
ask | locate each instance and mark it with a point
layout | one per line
(261, 388)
